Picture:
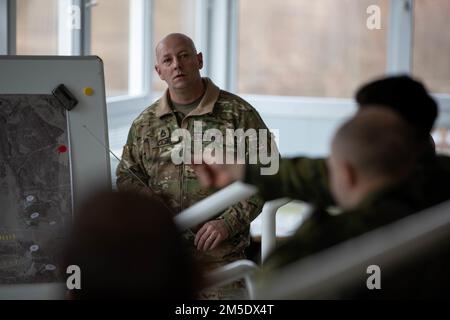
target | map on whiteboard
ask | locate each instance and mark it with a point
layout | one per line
(35, 187)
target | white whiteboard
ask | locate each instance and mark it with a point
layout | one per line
(90, 161)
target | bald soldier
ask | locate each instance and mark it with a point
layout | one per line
(371, 171)
(147, 164)
(370, 165)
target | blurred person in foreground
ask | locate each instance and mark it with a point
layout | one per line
(370, 170)
(371, 160)
(128, 247)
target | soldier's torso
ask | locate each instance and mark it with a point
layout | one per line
(177, 183)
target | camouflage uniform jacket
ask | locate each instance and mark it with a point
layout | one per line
(147, 154)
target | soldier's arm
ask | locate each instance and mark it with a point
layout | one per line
(239, 216)
(297, 178)
(130, 173)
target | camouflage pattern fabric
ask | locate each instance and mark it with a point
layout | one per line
(147, 154)
(298, 178)
(306, 179)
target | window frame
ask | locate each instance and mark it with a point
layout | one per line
(399, 60)
(7, 27)
(216, 36)
(77, 41)
(123, 109)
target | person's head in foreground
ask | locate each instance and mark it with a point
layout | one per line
(410, 99)
(127, 246)
(371, 151)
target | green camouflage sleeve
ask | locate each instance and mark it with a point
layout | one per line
(239, 216)
(297, 178)
(129, 172)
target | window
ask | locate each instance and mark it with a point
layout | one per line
(97, 27)
(37, 27)
(441, 137)
(308, 48)
(110, 36)
(431, 44)
(171, 16)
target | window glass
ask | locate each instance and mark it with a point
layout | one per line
(37, 27)
(309, 48)
(431, 44)
(110, 41)
(171, 16)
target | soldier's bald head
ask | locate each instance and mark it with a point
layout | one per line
(377, 142)
(175, 38)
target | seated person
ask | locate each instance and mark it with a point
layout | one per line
(127, 246)
(370, 165)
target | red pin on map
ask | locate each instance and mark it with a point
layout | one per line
(62, 149)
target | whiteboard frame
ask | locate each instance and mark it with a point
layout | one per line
(90, 161)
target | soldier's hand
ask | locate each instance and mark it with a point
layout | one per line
(219, 175)
(210, 235)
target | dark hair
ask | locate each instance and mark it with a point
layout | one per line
(127, 246)
(406, 96)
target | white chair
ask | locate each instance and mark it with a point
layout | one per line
(241, 269)
(324, 274)
(246, 269)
